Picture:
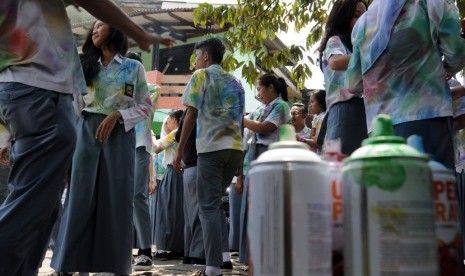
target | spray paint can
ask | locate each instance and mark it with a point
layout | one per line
(289, 224)
(333, 156)
(446, 208)
(388, 208)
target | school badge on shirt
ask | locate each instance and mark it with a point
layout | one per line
(128, 89)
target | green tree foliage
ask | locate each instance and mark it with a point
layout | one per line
(252, 22)
(461, 6)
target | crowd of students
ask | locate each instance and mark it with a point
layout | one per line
(392, 58)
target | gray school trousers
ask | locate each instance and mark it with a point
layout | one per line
(193, 239)
(42, 127)
(141, 202)
(215, 171)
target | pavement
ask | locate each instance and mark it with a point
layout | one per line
(172, 267)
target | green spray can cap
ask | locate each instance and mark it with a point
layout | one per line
(287, 138)
(380, 155)
(384, 144)
(287, 149)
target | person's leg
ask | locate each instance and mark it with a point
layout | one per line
(97, 225)
(56, 227)
(188, 179)
(153, 209)
(230, 170)
(141, 207)
(42, 127)
(197, 249)
(234, 213)
(213, 171)
(141, 210)
(243, 241)
(77, 223)
(4, 189)
(112, 248)
(437, 137)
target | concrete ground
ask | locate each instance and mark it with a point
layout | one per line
(172, 267)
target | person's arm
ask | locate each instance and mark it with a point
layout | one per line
(457, 92)
(157, 147)
(309, 141)
(110, 13)
(239, 186)
(353, 81)
(259, 127)
(188, 126)
(161, 144)
(339, 62)
(142, 110)
(445, 27)
(151, 187)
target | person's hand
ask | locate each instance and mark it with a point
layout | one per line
(166, 40)
(238, 187)
(149, 39)
(106, 126)
(151, 187)
(5, 157)
(177, 163)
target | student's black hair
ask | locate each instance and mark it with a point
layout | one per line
(338, 23)
(176, 114)
(279, 84)
(214, 47)
(116, 41)
(302, 107)
(133, 55)
(320, 97)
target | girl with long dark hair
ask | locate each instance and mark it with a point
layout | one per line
(96, 229)
(346, 111)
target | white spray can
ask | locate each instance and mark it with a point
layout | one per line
(388, 208)
(446, 209)
(289, 222)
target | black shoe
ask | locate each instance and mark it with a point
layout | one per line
(227, 265)
(186, 260)
(142, 263)
(175, 255)
(161, 256)
(166, 256)
(198, 261)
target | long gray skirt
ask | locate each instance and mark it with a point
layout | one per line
(153, 198)
(169, 214)
(96, 228)
(347, 121)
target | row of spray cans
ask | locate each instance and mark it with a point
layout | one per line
(384, 211)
